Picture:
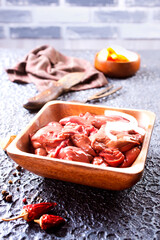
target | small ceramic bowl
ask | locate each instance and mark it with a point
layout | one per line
(77, 172)
(119, 69)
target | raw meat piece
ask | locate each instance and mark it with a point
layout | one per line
(53, 152)
(99, 161)
(46, 134)
(112, 156)
(70, 129)
(125, 141)
(99, 120)
(83, 142)
(52, 127)
(73, 128)
(73, 119)
(40, 152)
(130, 157)
(74, 154)
(99, 140)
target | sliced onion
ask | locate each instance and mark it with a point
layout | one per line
(121, 114)
(121, 126)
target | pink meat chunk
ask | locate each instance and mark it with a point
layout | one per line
(95, 120)
(99, 120)
(99, 161)
(130, 157)
(74, 154)
(83, 142)
(70, 129)
(74, 119)
(125, 141)
(74, 128)
(112, 156)
(99, 140)
(46, 134)
(40, 152)
(53, 152)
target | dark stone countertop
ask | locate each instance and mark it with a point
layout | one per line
(90, 213)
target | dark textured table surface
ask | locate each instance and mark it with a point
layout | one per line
(90, 213)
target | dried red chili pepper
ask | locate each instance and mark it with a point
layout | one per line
(24, 200)
(33, 211)
(48, 221)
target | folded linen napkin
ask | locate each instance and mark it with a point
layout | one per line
(44, 65)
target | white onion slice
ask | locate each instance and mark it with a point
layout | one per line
(121, 126)
(130, 118)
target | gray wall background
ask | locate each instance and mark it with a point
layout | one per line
(82, 24)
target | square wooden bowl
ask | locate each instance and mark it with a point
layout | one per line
(77, 172)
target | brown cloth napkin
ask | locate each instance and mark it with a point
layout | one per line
(44, 65)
